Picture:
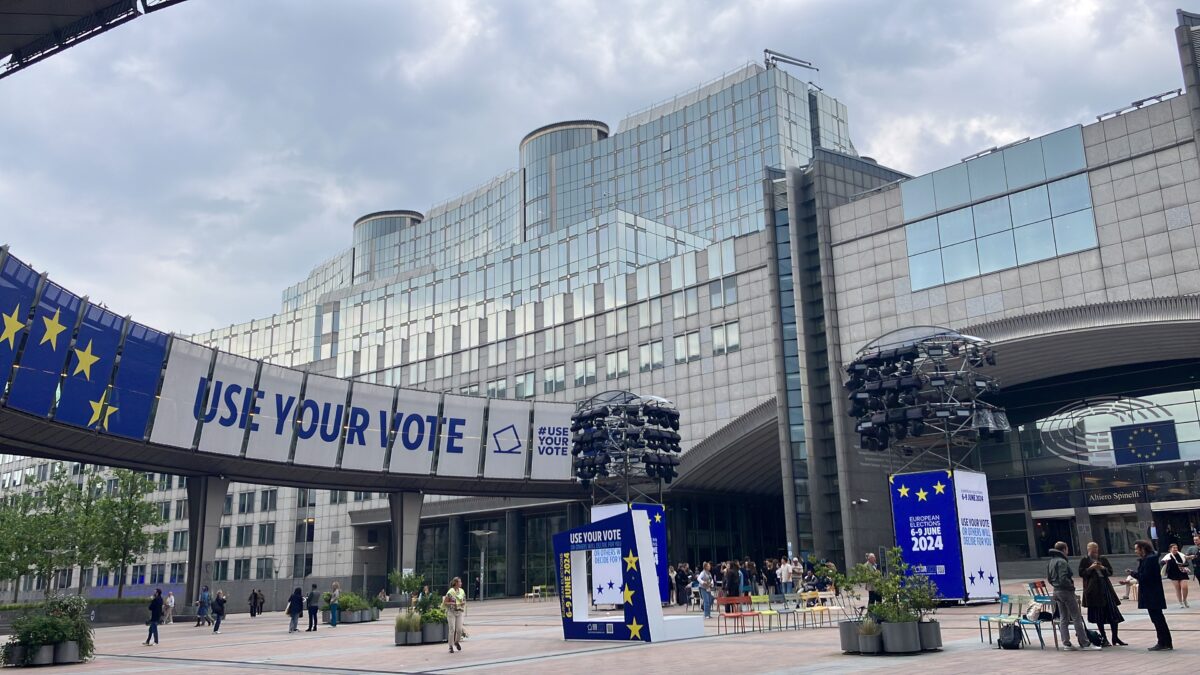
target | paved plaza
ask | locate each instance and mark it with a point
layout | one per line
(511, 636)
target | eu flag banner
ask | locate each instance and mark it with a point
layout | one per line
(35, 382)
(924, 515)
(136, 381)
(18, 287)
(1145, 442)
(658, 536)
(84, 390)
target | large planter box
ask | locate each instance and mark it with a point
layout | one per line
(66, 652)
(374, 613)
(412, 638)
(324, 616)
(870, 644)
(901, 638)
(41, 656)
(931, 635)
(848, 634)
(433, 632)
(16, 657)
(401, 638)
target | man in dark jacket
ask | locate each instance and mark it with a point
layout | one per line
(1150, 592)
(1058, 572)
(314, 602)
(156, 609)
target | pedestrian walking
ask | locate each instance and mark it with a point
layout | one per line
(455, 602)
(1099, 596)
(253, 604)
(706, 589)
(203, 605)
(335, 596)
(156, 615)
(314, 602)
(218, 610)
(262, 600)
(1192, 552)
(1058, 572)
(1150, 592)
(169, 614)
(295, 607)
(1175, 564)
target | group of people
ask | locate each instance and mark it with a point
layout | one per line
(1100, 597)
(745, 577)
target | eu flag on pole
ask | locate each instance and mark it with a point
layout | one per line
(35, 382)
(136, 382)
(1145, 442)
(85, 390)
(18, 287)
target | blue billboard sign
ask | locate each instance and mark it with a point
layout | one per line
(924, 515)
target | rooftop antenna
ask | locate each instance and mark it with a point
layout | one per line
(772, 59)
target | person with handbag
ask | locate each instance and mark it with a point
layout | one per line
(1099, 596)
(1176, 568)
(455, 602)
(295, 609)
(156, 610)
(1150, 593)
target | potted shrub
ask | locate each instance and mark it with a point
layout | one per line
(71, 611)
(899, 624)
(870, 638)
(923, 596)
(376, 608)
(13, 653)
(407, 585)
(402, 623)
(39, 633)
(849, 585)
(414, 635)
(433, 625)
(325, 598)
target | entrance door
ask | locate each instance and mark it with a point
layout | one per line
(1050, 531)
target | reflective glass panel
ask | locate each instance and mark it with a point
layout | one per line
(996, 252)
(987, 175)
(991, 217)
(1062, 151)
(1029, 206)
(1069, 195)
(1023, 164)
(922, 236)
(917, 196)
(1034, 242)
(955, 227)
(960, 261)
(1075, 231)
(925, 269)
(951, 187)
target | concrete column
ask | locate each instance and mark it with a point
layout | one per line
(514, 552)
(455, 533)
(206, 501)
(406, 525)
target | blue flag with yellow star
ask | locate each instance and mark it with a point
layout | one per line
(658, 534)
(83, 400)
(18, 288)
(1145, 442)
(35, 382)
(136, 382)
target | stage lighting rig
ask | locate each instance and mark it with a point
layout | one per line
(624, 444)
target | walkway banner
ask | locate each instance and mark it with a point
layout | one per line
(274, 418)
(184, 392)
(416, 423)
(135, 386)
(507, 439)
(551, 452)
(231, 402)
(18, 287)
(368, 426)
(975, 533)
(35, 382)
(320, 420)
(462, 426)
(85, 383)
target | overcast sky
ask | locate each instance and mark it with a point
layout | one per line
(186, 167)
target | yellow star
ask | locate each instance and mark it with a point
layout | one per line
(658, 517)
(628, 594)
(903, 491)
(11, 327)
(86, 360)
(922, 494)
(630, 562)
(53, 328)
(939, 488)
(635, 629)
(97, 407)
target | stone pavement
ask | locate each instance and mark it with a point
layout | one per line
(511, 636)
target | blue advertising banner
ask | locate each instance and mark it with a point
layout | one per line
(926, 524)
(136, 382)
(658, 535)
(35, 383)
(18, 287)
(85, 387)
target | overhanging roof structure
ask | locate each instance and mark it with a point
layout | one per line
(749, 445)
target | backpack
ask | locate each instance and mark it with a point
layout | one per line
(1097, 639)
(1010, 637)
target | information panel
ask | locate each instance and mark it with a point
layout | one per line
(975, 533)
(924, 516)
(551, 441)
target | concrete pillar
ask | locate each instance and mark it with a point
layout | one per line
(206, 501)
(406, 525)
(454, 534)
(514, 554)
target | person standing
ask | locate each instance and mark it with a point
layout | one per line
(1098, 594)
(156, 615)
(683, 584)
(253, 604)
(706, 589)
(1150, 592)
(455, 602)
(295, 607)
(785, 575)
(262, 600)
(670, 599)
(314, 602)
(771, 577)
(335, 596)
(1177, 568)
(202, 607)
(169, 615)
(797, 575)
(873, 596)
(1058, 572)
(218, 610)
(1192, 552)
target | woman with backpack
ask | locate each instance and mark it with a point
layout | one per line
(1098, 594)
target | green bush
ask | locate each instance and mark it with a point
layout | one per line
(352, 602)
(92, 602)
(869, 627)
(433, 615)
(36, 630)
(375, 602)
(408, 622)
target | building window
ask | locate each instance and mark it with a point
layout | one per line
(337, 496)
(269, 500)
(102, 576)
(585, 372)
(685, 303)
(360, 496)
(181, 509)
(158, 542)
(585, 331)
(722, 292)
(469, 390)
(178, 573)
(179, 540)
(266, 568)
(305, 529)
(164, 511)
(158, 573)
(220, 570)
(246, 502)
(687, 347)
(526, 385)
(555, 338)
(245, 535)
(726, 338)
(650, 356)
(228, 507)
(86, 576)
(164, 481)
(650, 313)
(306, 497)
(266, 534)
(616, 323)
(554, 379)
(498, 388)
(301, 565)
(241, 569)
(223, 537)
(138, 577)
(616, 364)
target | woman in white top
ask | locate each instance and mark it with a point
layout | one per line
(1176, 566)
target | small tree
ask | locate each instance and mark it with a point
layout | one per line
(124, 516)
(86, 524)
(53, 528)
(18, 545)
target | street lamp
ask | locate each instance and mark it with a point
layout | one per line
(366, 548)
(483, 535)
